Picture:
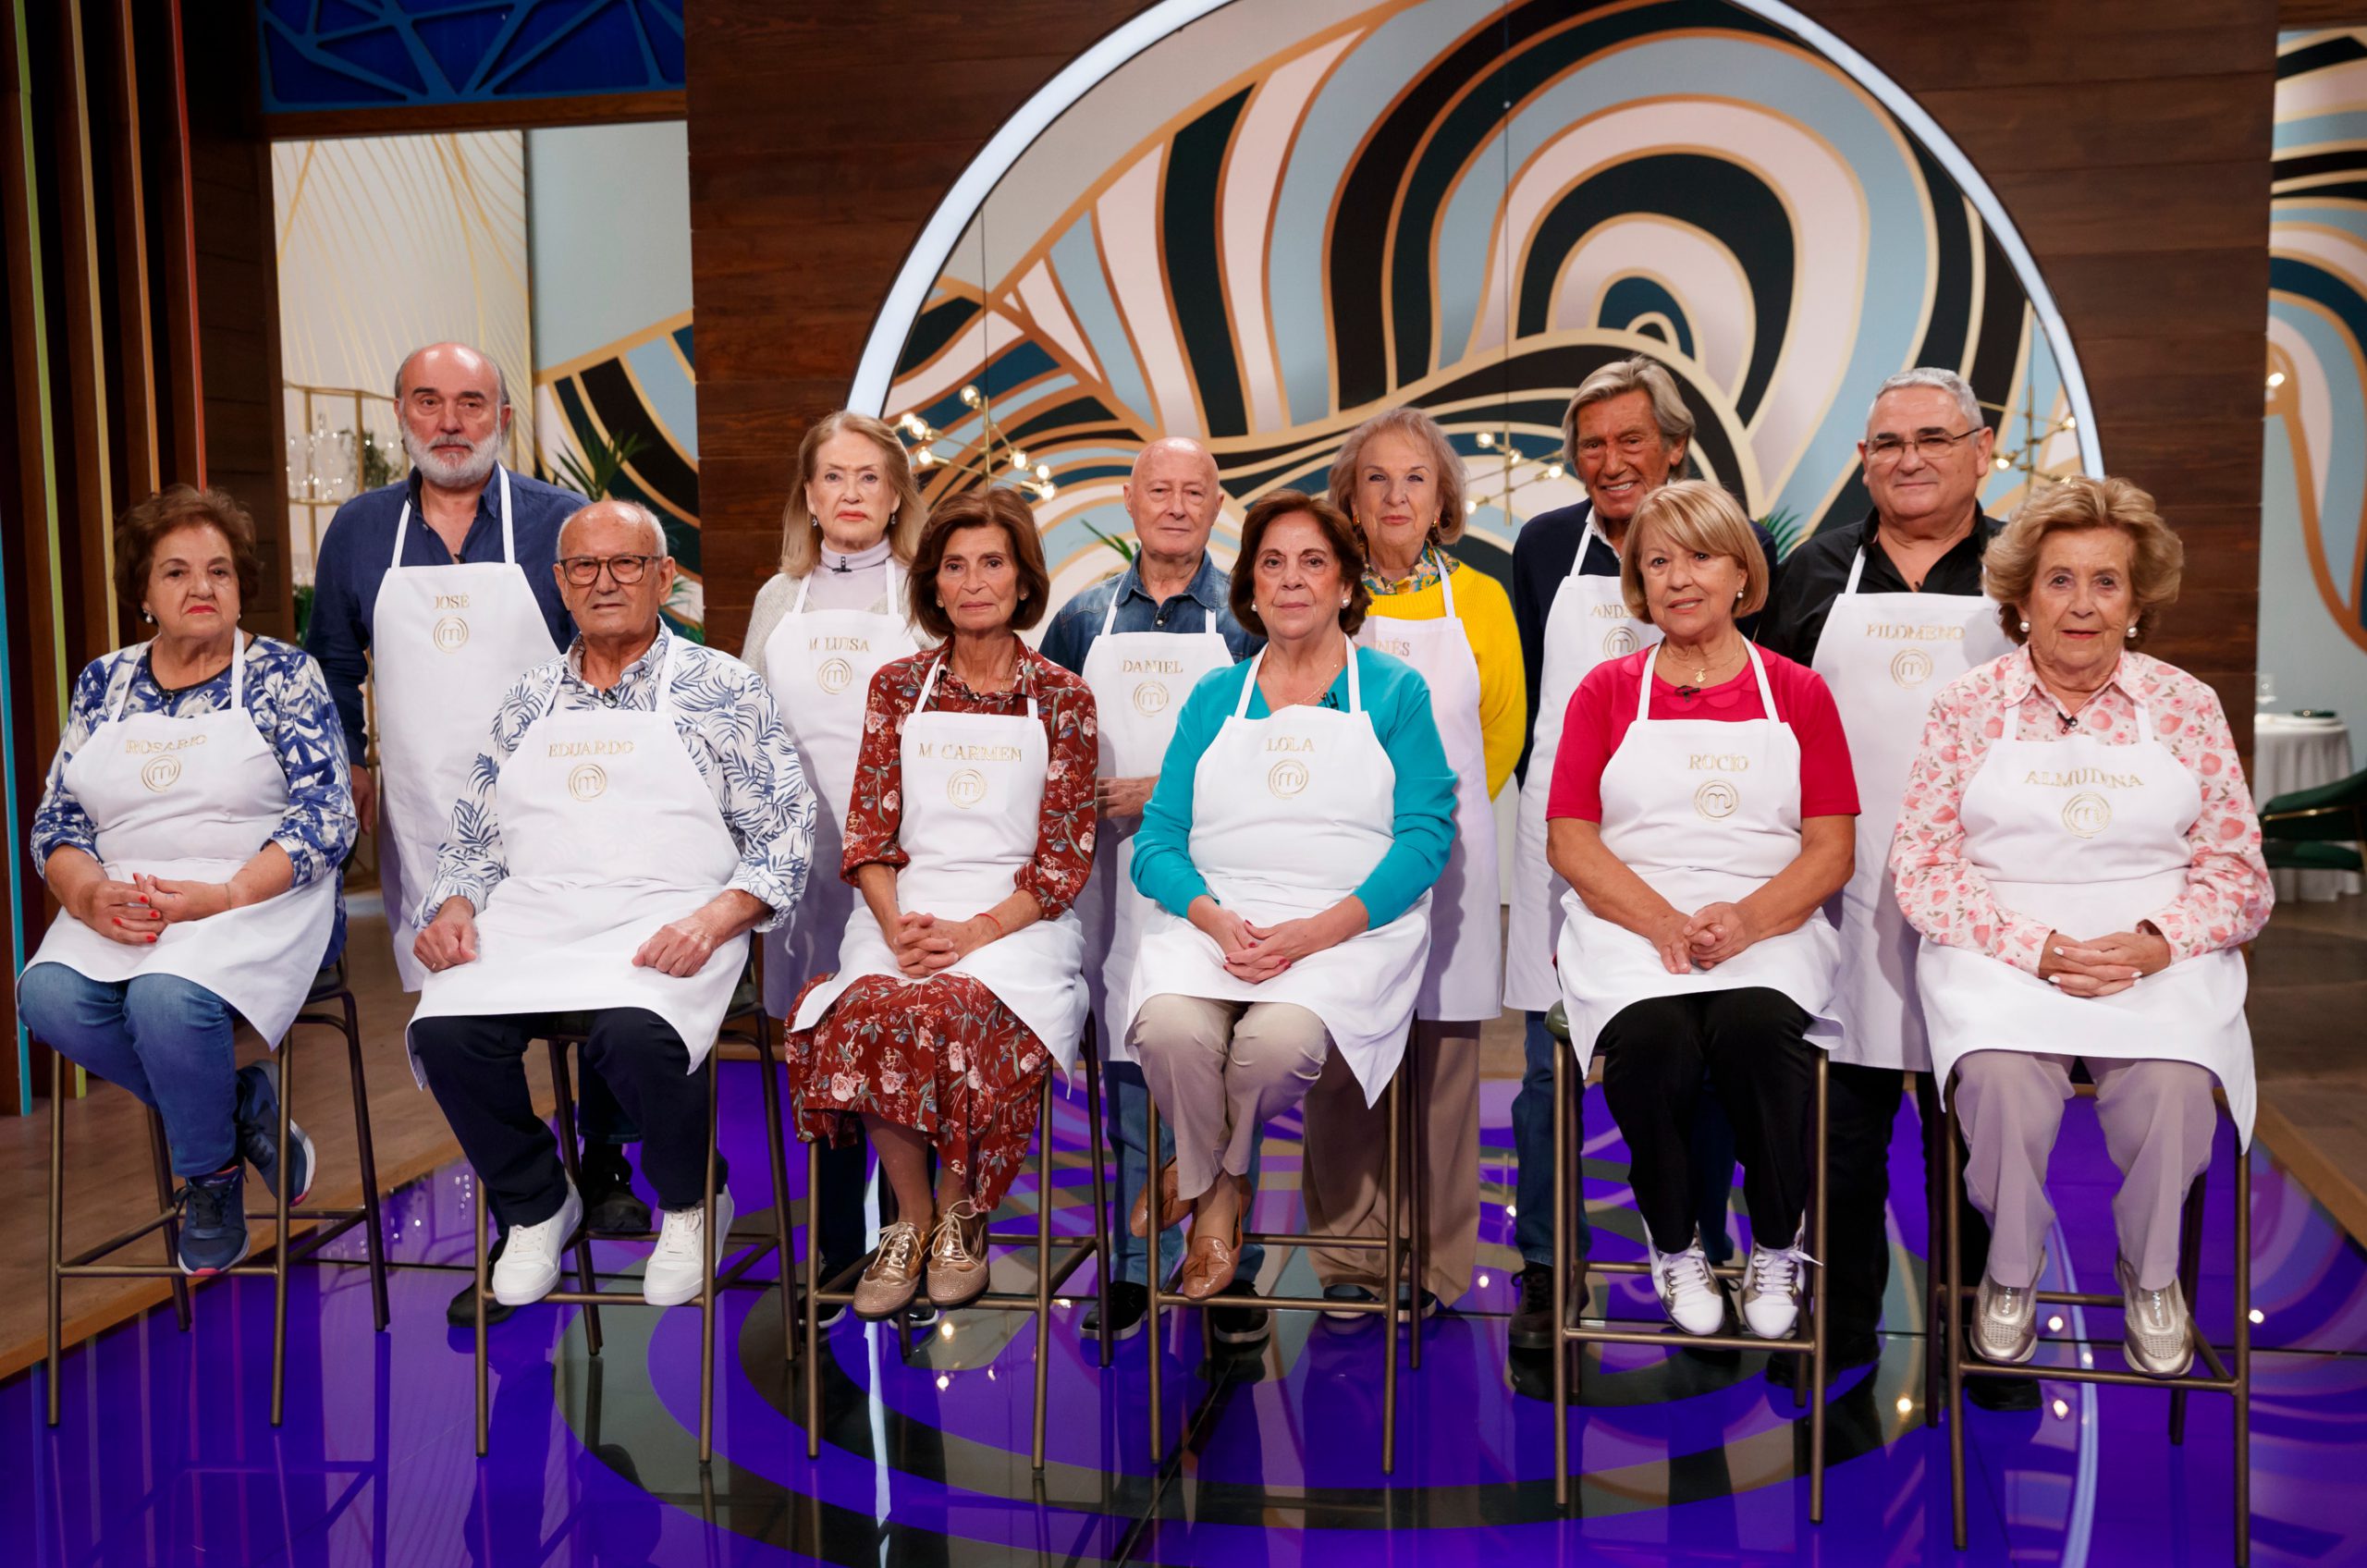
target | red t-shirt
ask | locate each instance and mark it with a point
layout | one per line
(1604, 705)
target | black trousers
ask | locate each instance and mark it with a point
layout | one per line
(1752, 1045)
(1863, 1111)
(476, 1068)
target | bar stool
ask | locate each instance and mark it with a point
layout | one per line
(746, 1034)
(329, 990)
(1566, 1194)
(1402, 1179)
(1052, 1271)
(2232, 1377)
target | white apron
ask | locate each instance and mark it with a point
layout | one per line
(1139, 681)
(1289, 814)
(1705, 811)
(1464, 976)
(610, 833)
(196, 798)
(446, 642)
(2090, 838)
(1587, 625)
(819, 664)
(1885, 657)
(972, 786)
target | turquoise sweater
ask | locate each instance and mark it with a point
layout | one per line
(1399, 701)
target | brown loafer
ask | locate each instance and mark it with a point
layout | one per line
(957, 1257)
(1209, 1267)
(1172, 1209)
(887, 1286)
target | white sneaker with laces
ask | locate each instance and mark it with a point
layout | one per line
(527, 1269)
(1772, 1283)
(677, 1269)
(1688, 1292)
(2157, 1330)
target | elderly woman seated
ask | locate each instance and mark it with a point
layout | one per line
(1303, 811)
(195, 817)
(2079, 851)
(1702, 813)
(969, 836)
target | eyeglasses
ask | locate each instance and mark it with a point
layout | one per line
(1884, 452)
(584, 571)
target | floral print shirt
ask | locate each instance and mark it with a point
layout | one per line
(1066, 820)
(1947, 898)
(288, 701)
(734, 735)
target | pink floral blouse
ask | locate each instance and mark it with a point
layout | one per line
(2226, 897)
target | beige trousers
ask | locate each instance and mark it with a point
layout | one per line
(1347, 1147)
(2157, 1118)
(1219, 1071)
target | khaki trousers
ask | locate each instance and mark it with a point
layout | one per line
(1347, 1147)
(1219, 1071)
(2157, 1118)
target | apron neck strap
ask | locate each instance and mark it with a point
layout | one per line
(929, 686)
(239, 646)
(1446, 585)
(895, 579)
(804, 586)
(1857, 567)
(1109, 616)
(1258, 663)
(509, 535)
(665, 676)
(1766, 693)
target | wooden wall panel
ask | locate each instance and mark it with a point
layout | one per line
(2129, 139)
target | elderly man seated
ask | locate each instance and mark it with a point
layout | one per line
(639, 811)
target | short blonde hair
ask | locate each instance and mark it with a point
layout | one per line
(1694, 514)
(1413, 423)
(2156, 555)
(801, 536)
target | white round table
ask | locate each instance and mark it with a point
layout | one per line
(2292, 753)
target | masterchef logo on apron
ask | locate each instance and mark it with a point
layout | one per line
(833, 675)
(966, 788)
(161, 774)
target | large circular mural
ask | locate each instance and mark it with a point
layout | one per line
(1262, 225)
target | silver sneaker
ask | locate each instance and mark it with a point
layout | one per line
(2157, 1331)
(1772, 1283)
(2005, 1322)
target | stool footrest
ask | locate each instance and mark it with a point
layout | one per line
(1669, 1334)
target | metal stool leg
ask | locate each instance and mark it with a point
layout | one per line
(1817, 1295)
(160, 1159)
(1397, 1241)
(1954, 1203)
(1043, 1267)
(56, 1305)
(477, 1230)
(1939, 1317)
(2242, 1303)
(1417, 1185)
(1561, 1283)
(2189, 1279)
(776, 1156)
(1101, 1218)
(282, 1242)
(809, 1312)
(712, 1247)
(1157, 1279)
(366, 1149)
(563, 1092)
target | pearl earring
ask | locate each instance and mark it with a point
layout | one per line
(2131, 632)
(2026, 626)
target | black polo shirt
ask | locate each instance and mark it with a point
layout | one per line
(1816, 572)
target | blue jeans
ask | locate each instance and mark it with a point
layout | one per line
(165, 1038)
(1130, 1130)
(1713, 1160)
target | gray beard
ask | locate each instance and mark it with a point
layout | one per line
(468, 476)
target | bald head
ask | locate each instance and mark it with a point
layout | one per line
(604, 515)
(1171, 499)
(451, 369)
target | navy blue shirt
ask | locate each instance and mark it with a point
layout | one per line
(1543, 552)
(1079, 621)
(361, 540)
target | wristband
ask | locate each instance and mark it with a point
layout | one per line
(988, 916)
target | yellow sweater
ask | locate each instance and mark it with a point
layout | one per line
(1486, 611)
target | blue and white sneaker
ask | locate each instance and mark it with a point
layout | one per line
(213, 1222)
(258, 1122)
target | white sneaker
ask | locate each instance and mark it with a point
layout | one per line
(2157, 1330)
(677, 1271)
(1771, 1285)
(2005, 1322)
(1688, 1292)
(527, 1269)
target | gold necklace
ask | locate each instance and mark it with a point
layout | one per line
(1701, 665)
(1329, 673)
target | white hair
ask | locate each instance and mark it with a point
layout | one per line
(634, 512)
(1946, 381)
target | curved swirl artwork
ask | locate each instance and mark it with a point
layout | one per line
(2314, 493)
(1278, 219)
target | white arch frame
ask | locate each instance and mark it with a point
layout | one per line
(929, 253)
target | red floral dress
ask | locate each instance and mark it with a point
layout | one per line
(944, 1056)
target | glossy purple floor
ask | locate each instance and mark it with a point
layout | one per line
(165, 1455)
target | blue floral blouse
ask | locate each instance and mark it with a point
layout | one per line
(288, 701)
